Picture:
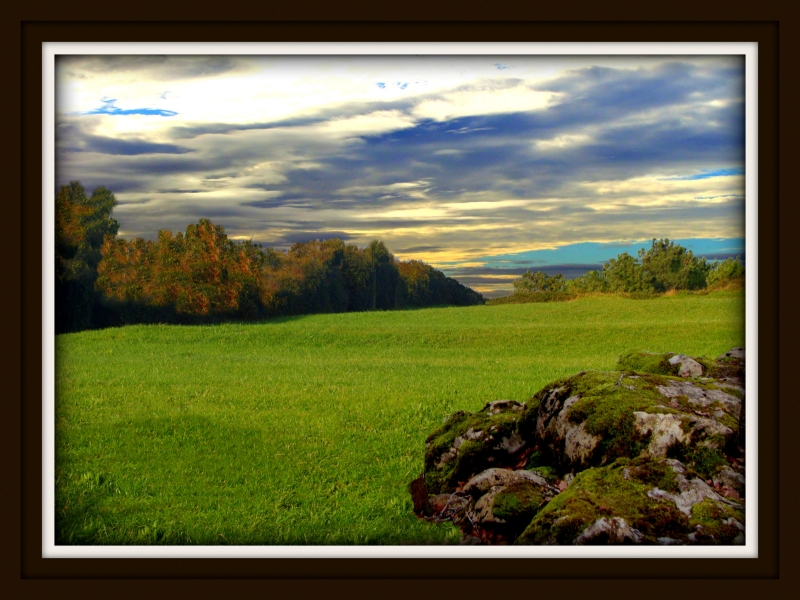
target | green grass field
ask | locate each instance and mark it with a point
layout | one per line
(308, 430)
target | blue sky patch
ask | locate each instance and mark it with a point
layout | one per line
(109, 108)
(597, 253)
(709, 174)
(113, 110)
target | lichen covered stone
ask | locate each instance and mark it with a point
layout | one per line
(593, 418)
(469, 443)
(644, 501)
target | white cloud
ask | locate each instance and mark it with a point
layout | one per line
(406, 188)
(564, 141)
(657, 190)
(370, 124)
(485, 100)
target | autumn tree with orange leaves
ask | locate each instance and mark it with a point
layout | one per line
(202, 276)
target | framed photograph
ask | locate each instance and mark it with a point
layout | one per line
(315, 261)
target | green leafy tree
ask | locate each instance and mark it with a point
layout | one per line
(669, 266)
(532, 282)
(730, 269)
(593, 281)
(82, 224)
(384, 276)
(416, 285)
(625, 274)
(357, 273)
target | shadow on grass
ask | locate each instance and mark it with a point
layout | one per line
(156, 466)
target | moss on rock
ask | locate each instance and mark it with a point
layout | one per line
(648, 362)
(700, 461)
(715, 523)
(468, 443)
(728, 367)
(517, 504)
(605, 403)
(595, 417)
(617, 490)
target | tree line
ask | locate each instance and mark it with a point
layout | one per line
(203, 276)
(663, 267)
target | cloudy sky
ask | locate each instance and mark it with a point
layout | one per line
(480, 165)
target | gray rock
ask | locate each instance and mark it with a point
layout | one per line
(506, 509)
(609, 531)
(471, 434)
(450, 507)
(732, 521)
(730, 478)
(691, 492)
(579, 445)
(481, 515)
(667, 429)
(470, 540)
(512, 444)
(663, 429)
(701, 397)
(446, 457)
(737, 353)
(687, 366)
(483, 482)
(667, 541)
(498, 406)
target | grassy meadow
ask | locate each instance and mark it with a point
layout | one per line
(308, 430)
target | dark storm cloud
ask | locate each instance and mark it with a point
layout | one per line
(570, 271)
(116, 146)
(515, 167)
(151, 67)
(617, 152)
(72, 136)
(193, 131)
(343, 111)
(477, 280)
(139, 201)
(287, 239)
(119, 147)
(417, 249)
(602, 94)
(281, 201)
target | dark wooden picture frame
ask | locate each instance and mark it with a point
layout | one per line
(30, 574)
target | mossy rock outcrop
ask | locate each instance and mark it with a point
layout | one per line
(595, 417)
(728, 368)
(468, 443)
(495, 505)
(642, 501)
(600, 457)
